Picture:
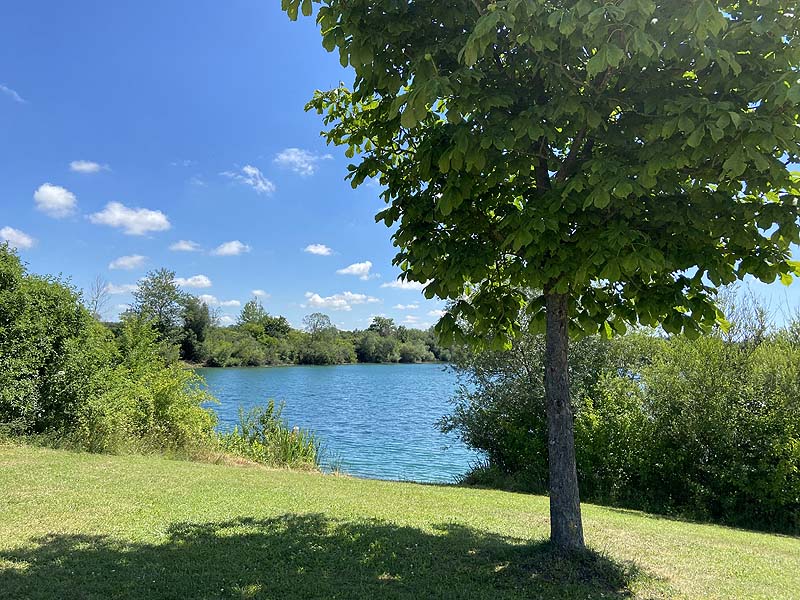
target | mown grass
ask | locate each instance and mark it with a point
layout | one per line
(88, 526)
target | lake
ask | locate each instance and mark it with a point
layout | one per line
(377, 421)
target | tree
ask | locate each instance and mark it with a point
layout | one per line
(159, 299)
(98, 297)
(253, 313)
(624, 158)
(384, 326)
(196, 324)
(318, 324)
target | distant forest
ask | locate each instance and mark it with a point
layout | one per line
(190, 331)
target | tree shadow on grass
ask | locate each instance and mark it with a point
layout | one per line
(307, 556)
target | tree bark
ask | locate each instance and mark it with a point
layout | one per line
(566, 527)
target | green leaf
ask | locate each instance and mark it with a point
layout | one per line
(696, 137)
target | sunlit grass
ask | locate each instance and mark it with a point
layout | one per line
(94, 526)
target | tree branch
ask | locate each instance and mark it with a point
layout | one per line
(569, 162)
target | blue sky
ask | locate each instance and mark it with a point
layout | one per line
(127, 128)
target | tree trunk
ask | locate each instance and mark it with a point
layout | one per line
(566, 527)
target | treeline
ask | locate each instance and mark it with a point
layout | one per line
(189, 330)
(706, 428)
(67, 380)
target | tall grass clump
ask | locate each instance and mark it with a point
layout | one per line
(263, 436)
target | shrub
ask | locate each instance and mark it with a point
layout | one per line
(66, 378)
(706, 428)
(263, 436)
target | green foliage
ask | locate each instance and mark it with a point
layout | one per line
(263, 436)
(631, 155)
(195, 327)
(158, 298)
(706, 428)
(43, 330)
(65, 376)
(225, 347)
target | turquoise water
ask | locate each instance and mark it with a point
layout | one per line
(377, 420)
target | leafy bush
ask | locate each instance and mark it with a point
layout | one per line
(66, 377)
(263, 436)
(706, 428)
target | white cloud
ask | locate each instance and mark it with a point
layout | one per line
(226, 320)
(210, 300)
(406, 306)
(183, 163)
(404, 285)
(318, 249)
(185, 246)
(87, 166)
(437, 313)
(260, 294)
(16, 238)
(343, 301)
(125, 288)
(55, 201)
(361, 270)
(300, 161)
(253, 177)
(414, 321)
(232, 248)
(12, 94)
(134, 221)
(197, 180)
(133, 261)
(196, 281)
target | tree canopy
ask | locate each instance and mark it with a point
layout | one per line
(632, 154)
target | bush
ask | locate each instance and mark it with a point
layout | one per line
(264, 437)
(66, 378)
(706, 428)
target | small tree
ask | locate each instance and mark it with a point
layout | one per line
(318, 324)
(625, 158)
(98, 297)
(158, 298)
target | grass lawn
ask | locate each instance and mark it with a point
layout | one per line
(99, 527)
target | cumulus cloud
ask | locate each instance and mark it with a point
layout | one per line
(16, 238)
(195, 281)
(300, 161)
(12, 94)
(125, 288)
(318, 249)
(343, 301)
(232, 248)
(406, 306)
(252, 176)
(133, 221)
(133, 261)
(361, 270)
(87, 166)
(185, 246)
(226, 320)
(437, 313)
(55, 201)
(260, 294)
(404, 285)
(210, 300)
